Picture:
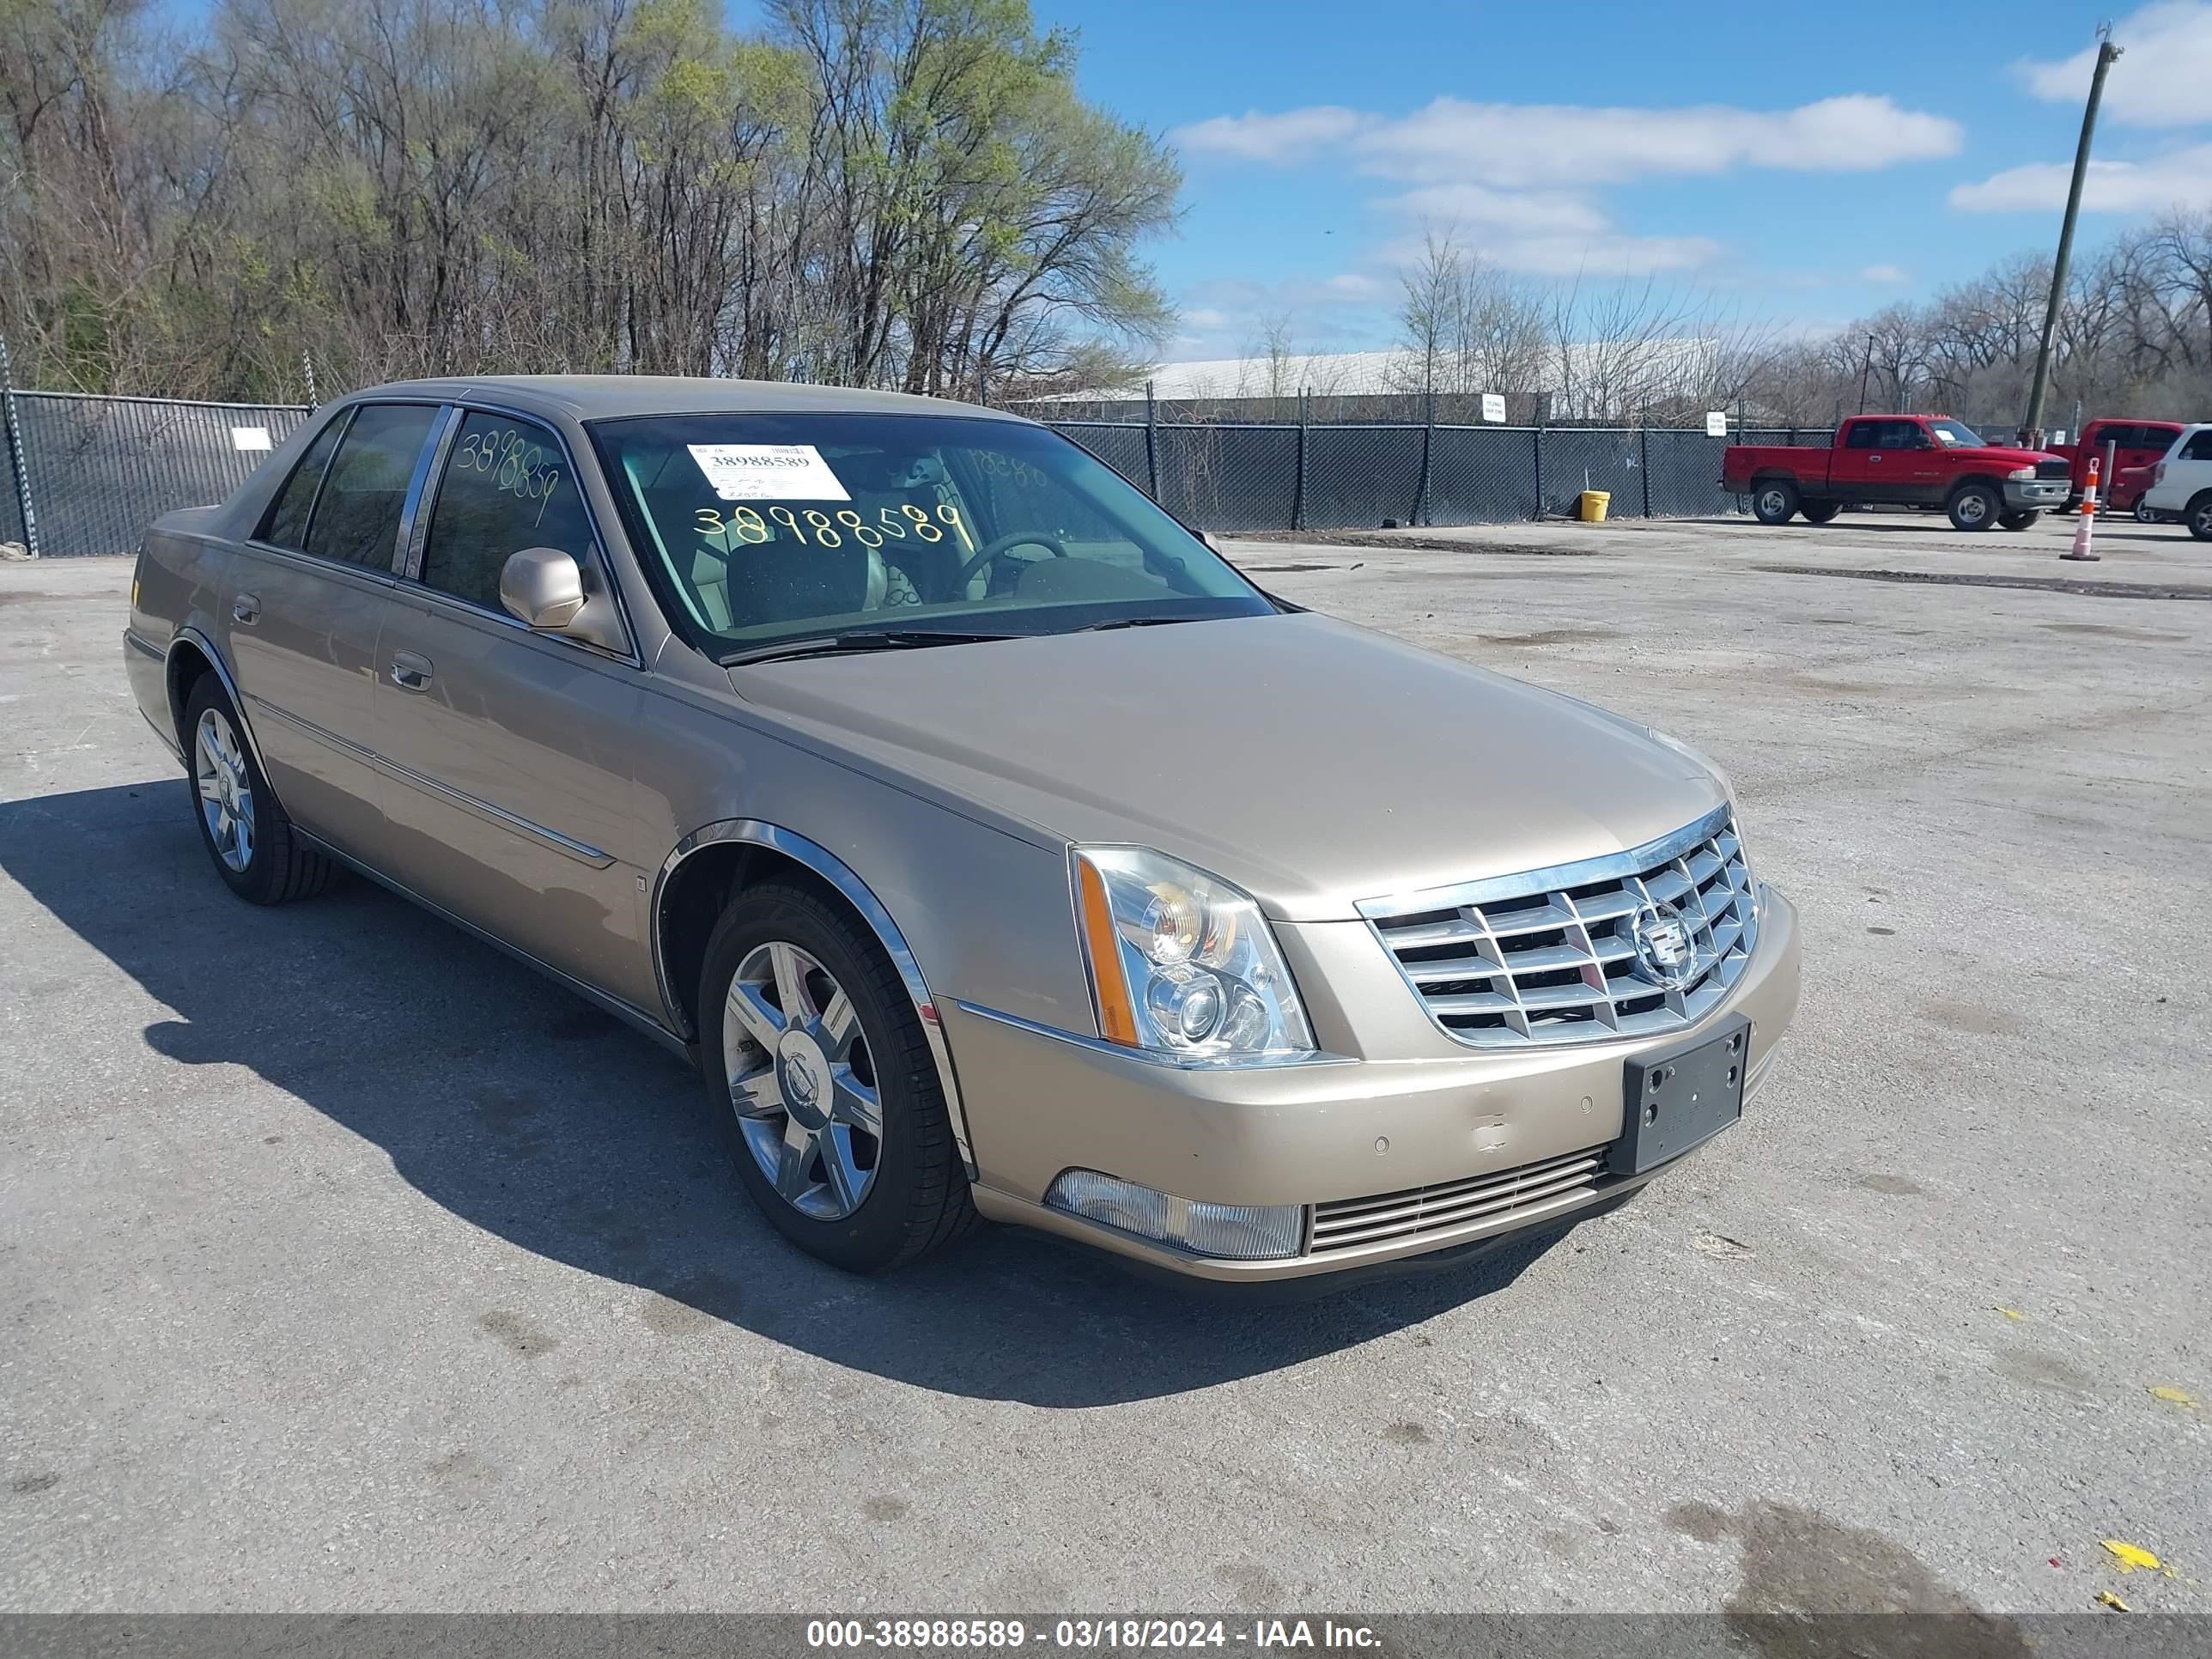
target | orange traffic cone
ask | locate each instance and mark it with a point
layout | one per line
(2085, 527)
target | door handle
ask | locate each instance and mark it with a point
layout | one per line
(1873, 461)
(246, 608)
(411, 673)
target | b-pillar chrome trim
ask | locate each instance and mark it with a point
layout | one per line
(833, 869)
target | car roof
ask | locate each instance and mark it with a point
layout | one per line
(610, 397)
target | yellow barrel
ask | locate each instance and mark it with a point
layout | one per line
(1594, 502)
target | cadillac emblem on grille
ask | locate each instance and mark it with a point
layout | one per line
(1665, 954)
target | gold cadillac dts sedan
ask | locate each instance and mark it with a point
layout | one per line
(993, 845)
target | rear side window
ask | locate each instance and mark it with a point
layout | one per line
(506, 487)
(357, 518)
(285, 524)
(1862, 434)
(2199, 447)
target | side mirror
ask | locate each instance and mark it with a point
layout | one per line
(541, 587)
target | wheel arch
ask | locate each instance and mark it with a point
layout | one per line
(718, 861)
(1986, 480)
(190, 655)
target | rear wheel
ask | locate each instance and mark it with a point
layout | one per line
(2145, 514)
(822, 1081)
(2019, 520)
(1974, 506)
(1820, 512)
(2197, 515)
(1773, 501)
(255, 848)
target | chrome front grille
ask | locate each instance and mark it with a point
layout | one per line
(1581, 952)
(1392, 1217)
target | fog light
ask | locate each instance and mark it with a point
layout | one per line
(1239, 1232)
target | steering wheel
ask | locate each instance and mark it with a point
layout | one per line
(997, 546)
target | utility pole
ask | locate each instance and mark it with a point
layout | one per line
(2108, 55)
(1865, 369)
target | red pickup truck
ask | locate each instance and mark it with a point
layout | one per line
(1900, 460)
(2139, 445)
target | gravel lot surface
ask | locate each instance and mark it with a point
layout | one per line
(346, 1265)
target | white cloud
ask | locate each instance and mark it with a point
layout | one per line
(1886, 274)
(1256, 136)
(1452, 141)
(1518, 178)
(2163, 79)
(2179, 178)
(1352, 285)
(1206, 317)
(1545, 213)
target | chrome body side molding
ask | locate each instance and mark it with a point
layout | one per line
(622, 1010)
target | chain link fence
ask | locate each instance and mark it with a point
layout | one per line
(88, 474)
(85, 475)
(1235, 475)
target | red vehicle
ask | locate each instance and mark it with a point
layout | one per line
(1927, 461)
(2138, 446)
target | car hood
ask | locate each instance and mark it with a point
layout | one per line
(2005, 455)
(1312, 763)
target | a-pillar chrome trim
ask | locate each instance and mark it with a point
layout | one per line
(833, 869)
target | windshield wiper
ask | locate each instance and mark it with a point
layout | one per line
(1136, 622)
(836, 645)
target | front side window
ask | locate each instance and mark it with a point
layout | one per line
(761, 528)
(285, 524)
(506, 487)
(357, 516)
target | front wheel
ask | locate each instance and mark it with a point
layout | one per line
(822, 1081)
(1820, 512)
(1774, 501)
(255, 848)
(1975, 507)
(2022, 519)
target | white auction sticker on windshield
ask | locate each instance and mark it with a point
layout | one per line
(768, 472)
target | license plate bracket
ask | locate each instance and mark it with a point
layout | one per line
(1679, 1098)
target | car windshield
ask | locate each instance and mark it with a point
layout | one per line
(1952, 435)
(895, 529)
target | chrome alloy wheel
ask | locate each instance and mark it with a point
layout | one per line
(1772, 502)
(226, 791)
(802, 1081)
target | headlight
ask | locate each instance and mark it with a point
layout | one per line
(2023, 474)
(1181, 963)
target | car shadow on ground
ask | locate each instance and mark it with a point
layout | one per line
(528, 1113)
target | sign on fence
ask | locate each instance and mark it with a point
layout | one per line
(1716, 424)
(1493, 408)
(249, 437)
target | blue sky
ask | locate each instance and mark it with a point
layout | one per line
(1803, 163)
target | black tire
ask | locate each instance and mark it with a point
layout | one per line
(1819, 512)
(278, 867)
(916, 1197)
(2197, 515)
(2022, 519)
(1974, 506)
(1773, 501)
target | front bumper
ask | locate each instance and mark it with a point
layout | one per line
(1414, 1110)
(2036, 495)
